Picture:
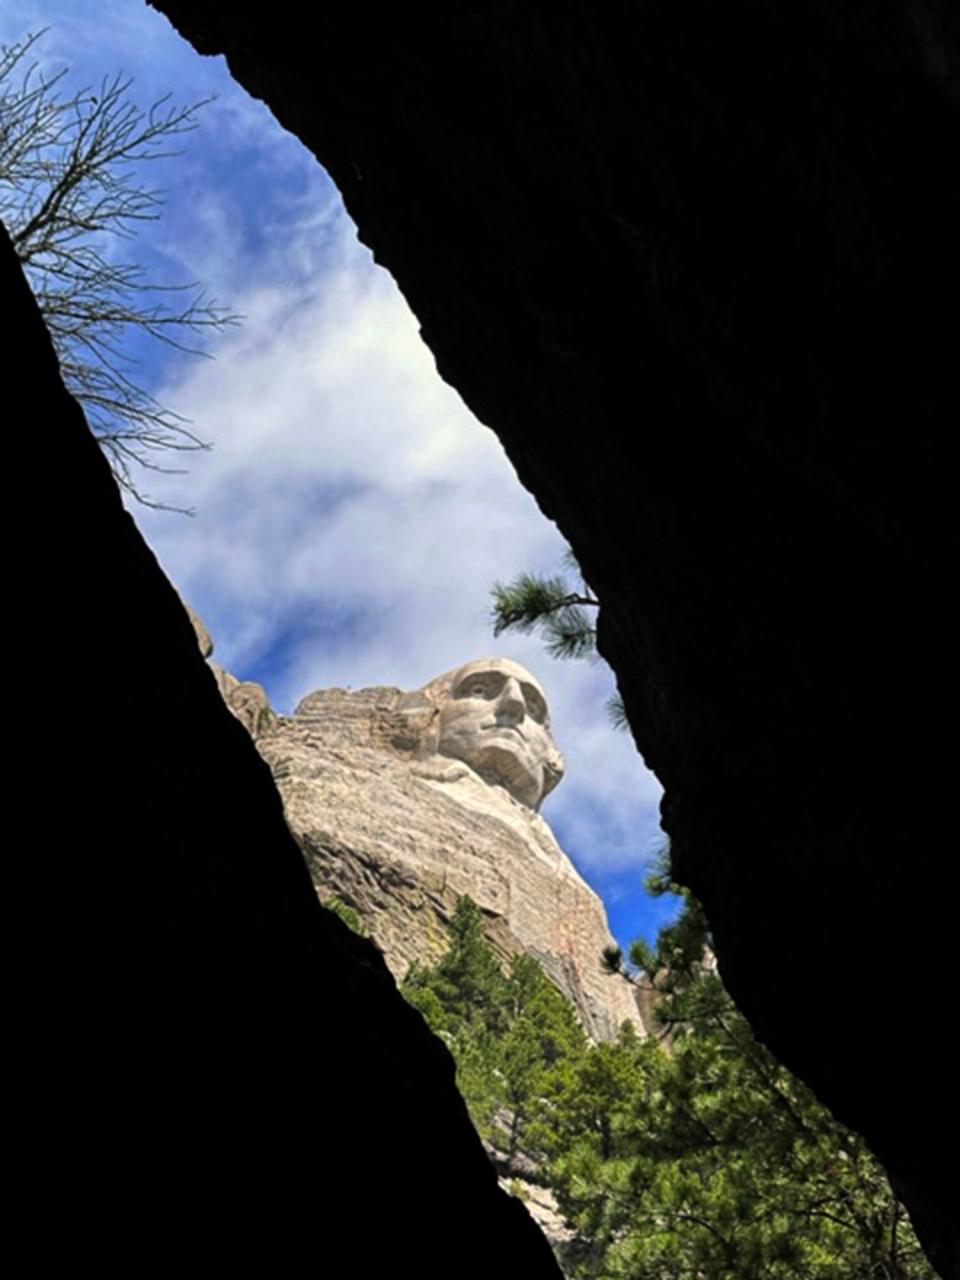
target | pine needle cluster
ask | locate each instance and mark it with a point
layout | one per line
(563, 615)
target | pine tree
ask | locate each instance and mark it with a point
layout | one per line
(464, 999)
(561, 612)
(695, 1156)
(708, 1159)
(513, 1035)
(468, 981)
(542, 1044)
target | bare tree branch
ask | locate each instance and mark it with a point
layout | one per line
(68, 185)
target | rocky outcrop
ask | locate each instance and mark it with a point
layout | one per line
(207, 1064)
(542, 1206)
(400, 835)
(692, 262)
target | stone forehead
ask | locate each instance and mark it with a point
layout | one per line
(505, 665)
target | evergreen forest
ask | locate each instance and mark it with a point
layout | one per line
(689, 1153)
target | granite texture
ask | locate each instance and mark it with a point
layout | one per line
(400, 833)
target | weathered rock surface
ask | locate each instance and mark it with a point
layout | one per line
(697, 265)
(401, 835)
(541, 1204)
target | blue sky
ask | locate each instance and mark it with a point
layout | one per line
(352, 514)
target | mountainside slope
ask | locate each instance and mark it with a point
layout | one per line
(401, 837)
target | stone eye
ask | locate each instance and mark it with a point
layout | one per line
(536, 708)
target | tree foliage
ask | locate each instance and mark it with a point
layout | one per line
(542, 1043)
(68, 189)
(695, 1155)
(558, 610)
(715, 1162)
(513, 1034)
(550, 607)
(350, 916)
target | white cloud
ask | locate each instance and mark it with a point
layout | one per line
(353, 515)
(353, 499)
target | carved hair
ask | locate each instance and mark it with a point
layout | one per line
(413, 722)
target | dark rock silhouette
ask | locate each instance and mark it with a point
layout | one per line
(692, 263)
(217, 1071)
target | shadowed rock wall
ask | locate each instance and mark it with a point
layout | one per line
(218, 1072)
(691, 262)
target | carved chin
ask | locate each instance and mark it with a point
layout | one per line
(523, 780)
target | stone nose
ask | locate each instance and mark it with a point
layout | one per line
(510, 704)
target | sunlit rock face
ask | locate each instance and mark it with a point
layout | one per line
(404, 801)
(492, 715)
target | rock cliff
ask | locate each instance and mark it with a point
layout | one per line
(400, 834)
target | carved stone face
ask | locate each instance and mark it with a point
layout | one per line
(495, 719)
